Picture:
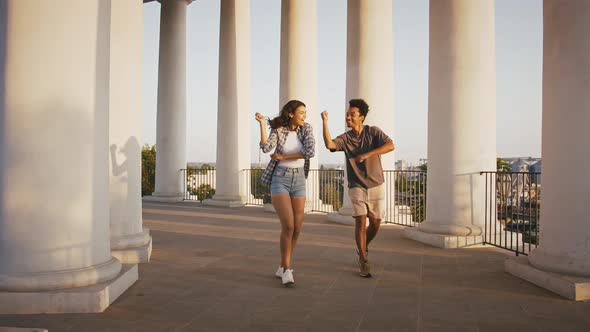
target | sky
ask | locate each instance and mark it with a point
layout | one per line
(519, 34)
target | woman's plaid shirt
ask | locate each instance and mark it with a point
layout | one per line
(277, 139)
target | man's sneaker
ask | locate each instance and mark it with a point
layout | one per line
(279, 273)
(359, 255)
(288, 277)
(365, 270)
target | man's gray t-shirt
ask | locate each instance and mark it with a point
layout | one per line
(369, 173)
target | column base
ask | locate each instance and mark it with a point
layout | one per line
(87, 299)
(444, 241)
(570, 287)
(225, 201)
(131, 241)
(134, 255)
(164, 197)
(54, 280)
(561, 264)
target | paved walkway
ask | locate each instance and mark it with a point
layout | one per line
(212, 270)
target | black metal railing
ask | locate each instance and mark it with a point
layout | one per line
(199, 183)
(512, 210)
(325, 190)
(259, 191)
(408, 206)
(405, 202)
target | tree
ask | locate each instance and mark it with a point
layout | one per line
(148, 169)
(401, 183)
(201, 170)
(331, 193)
(331, 189)
(423, 167)
(502, 165)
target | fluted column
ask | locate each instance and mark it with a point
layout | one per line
(299, 69)
(130, 242)
(461, 121)
(561, 263)
(171, 118)
(369, 74)
(233, 135)
(54, 124)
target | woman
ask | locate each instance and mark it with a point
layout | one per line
(286, 173)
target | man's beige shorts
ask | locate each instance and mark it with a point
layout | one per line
(368, 202)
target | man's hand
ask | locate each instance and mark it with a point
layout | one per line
(324, 116)
(260, 118)
(361, 158)
(276, 156)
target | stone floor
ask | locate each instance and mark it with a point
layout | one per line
(212, 270)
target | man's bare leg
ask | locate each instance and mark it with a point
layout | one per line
(372, 230)
(360, 234)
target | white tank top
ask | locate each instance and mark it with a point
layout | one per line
(292, 145)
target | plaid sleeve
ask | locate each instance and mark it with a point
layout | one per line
(308, 141)
(271, 141)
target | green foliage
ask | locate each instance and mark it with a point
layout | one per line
(204, 191)
(331, 188)
(201, 170)
(259, 189)
(419, 211)
(423, 167)
(411, 191)
(148, 169)
(502, 165)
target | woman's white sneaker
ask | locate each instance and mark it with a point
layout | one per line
(279, 273)
(288, 277)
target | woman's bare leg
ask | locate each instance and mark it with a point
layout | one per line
(298, 204)
(282, 204)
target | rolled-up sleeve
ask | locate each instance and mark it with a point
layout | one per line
(308, 141)
(271, 141)
(339, 143)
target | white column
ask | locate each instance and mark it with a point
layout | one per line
(130, 242)
(171, 118)
(54, 120)
(564, 245)
(233, 136)
(299, 70)
(369, 74)
(461, 121)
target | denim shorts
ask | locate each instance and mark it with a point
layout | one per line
(289, 181)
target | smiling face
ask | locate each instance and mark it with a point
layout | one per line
(297, 117)
(354, 117)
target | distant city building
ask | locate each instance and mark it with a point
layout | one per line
(402, 165)
(536, 168)
(520, 165)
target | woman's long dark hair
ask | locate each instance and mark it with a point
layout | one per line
(283, 119)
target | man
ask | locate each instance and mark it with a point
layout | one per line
(363, 145)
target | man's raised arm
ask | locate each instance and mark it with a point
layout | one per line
(327, 138)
